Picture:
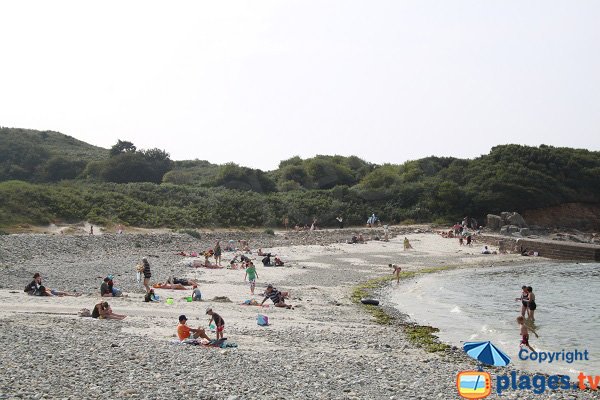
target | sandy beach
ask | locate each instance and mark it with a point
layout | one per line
(326, 348)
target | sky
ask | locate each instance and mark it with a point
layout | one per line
(259, 81)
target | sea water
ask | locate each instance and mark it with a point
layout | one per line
(478, 304)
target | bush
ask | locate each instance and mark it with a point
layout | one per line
(193, 233)
(269, 231)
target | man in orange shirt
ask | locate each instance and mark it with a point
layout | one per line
(185, 332)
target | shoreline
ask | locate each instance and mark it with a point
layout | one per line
(383, 291)
(328, 347)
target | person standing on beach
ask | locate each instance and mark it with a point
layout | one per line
(219, 322)
(340, 221)
(217, 253)
(91, 229)
(524, 299)
(147, 274)
(525, 333)
(251, 274)
(407, 245)
(396, 272)
(531, 305)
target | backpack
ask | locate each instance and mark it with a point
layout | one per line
(262, 320)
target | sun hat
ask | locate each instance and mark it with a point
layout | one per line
(208, 309)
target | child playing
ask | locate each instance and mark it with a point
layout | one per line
(251, 274)
(196, 293)
(525, 333)
(219, 322)
(396, 272)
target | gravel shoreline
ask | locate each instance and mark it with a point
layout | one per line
(327, 348)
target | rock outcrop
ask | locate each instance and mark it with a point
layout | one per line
(508, 223)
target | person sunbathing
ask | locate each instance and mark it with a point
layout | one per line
(245, 247)
(103, 311)
(171, 286)
(181, 281)
(35, 288)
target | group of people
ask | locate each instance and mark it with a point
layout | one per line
(102, 310)
(372, 220)
(108, 289)
(192, 335)
(528, 306)
(36, 288)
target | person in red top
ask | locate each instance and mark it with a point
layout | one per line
(185, 332)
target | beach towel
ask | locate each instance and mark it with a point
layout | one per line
(84, 312)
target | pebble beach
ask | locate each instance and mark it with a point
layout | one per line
(327, 347)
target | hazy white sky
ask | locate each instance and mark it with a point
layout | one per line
(256, 82)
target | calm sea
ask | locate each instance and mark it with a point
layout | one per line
(479, 305)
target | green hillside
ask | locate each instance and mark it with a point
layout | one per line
(43, 155)
(47, 176)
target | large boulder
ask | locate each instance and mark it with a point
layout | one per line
(494, 222)
(509, 229)
(516, 219)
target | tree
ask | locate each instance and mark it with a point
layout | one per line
(122, 147)
(233, 176)
(59, 168)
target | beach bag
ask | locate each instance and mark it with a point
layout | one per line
(84, 312)
(262, 320)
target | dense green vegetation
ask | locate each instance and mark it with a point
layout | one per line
(46, 156)
(47, 176)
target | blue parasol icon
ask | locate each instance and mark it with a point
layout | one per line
(486, 353)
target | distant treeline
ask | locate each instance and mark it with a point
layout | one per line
(47, 176)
